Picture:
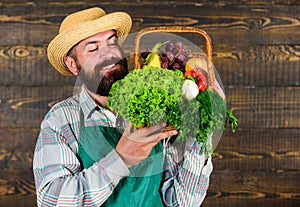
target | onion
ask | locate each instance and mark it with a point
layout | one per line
(190, 89)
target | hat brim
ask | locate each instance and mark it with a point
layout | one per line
(59, 47)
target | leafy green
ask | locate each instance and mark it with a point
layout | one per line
(151, 95)
(232, 120)
(148, 96)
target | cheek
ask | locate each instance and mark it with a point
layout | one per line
(117, 52)
(89, 64)
(87, 61)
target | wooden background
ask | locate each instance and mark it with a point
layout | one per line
(256, 50)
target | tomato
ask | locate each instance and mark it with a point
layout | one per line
(191, 73)
(202, 82)
(202, 85)
(199, 78)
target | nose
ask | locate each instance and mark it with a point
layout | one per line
(104, 53)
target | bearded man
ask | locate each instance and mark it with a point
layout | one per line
(88, 156)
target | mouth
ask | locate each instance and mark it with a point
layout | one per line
(109, 67)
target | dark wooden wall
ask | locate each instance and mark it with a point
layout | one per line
(256, 50)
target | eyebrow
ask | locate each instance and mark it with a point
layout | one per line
(94, 42)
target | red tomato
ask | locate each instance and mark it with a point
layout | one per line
(191, 73)
(202, 82)
(202, 85)
(200, 78)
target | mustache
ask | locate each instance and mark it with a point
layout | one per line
(107, 62)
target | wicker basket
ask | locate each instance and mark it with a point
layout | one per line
(177, 29)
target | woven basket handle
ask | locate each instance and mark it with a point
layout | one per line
(176, 29)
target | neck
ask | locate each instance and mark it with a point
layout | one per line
(100, 100)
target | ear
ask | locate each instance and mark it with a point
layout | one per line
(71, 64)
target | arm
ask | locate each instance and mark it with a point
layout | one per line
(57, 171)
(186, 179)
(58, 176)
(187, 170)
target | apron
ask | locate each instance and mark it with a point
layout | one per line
(141, 188)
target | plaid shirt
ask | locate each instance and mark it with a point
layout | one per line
(60, 181)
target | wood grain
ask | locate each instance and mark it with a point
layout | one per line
(26, 106)
(258, 149)
(256, 51)
(247, 149)
(17, 188)
(259, 23)
(273, 65)
(256, 107)
(265, 107)
(17, 152)
(253, 188)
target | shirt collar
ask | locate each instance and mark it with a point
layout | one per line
(87, 103)
(88, 106)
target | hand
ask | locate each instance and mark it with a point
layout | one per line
(134, 147)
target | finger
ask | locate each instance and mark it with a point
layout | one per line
(148, 131)
(160, 136)
(155, 129)
(168, 133)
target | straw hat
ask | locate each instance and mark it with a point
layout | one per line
(81, 25)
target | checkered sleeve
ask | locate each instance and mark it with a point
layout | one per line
(59, 179)
(186, 176)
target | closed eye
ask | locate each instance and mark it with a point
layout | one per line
(93, 50)
(113, 41)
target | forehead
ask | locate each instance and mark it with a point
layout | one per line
(99, 37)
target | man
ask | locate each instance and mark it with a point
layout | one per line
(80, 158)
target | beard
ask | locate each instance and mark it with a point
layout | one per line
(100, 83)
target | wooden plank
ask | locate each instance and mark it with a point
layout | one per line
(26, 106)
(256, 52)
(244, 65)
(207, 7)
(265, 107)
(17, 147)
(250, 149)
(258, 149)
(256, 107)
(18, 201)
(28, 65)
(258, 65)
(226, 23)
(150, 2)
(252, 188)
(238, 202)
(17, 188)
